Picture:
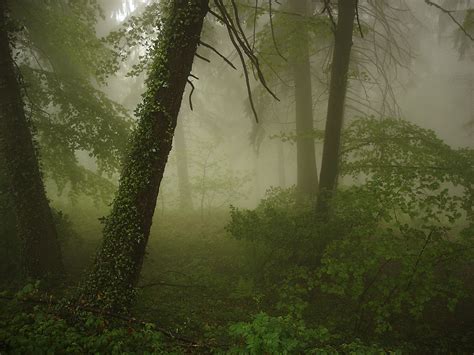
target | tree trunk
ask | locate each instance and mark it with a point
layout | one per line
(281, 164)
(111, 284)
(337, 95)
(35, 225)
(184, 186)
(307, 174)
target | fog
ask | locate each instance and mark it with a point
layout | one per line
(310, 190)
(433, 89)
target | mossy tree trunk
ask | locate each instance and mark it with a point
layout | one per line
(111, 284)
(307, 173)
(41, 256)
(337, 95)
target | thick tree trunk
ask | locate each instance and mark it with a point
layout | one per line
(337, 95)
(184, 186)
(111, 284)
(307, 174)
(35, 225)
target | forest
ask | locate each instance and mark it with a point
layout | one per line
(236, 177)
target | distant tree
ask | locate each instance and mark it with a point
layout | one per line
(35, 225)
(337, 95)
(184, 185)
(286, 45)
(307, 173)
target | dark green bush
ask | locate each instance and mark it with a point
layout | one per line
(397, 246)
(55, 329)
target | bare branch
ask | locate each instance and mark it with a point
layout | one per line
(202, 58)
(218, 53)
(191, 94)
(273, 31)
(327, 8)
(358, 19)
(449, 13)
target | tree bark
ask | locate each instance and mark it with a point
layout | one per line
(41, 256)
(184, 186)
(112, 282)
(337, 95)
(307, 174)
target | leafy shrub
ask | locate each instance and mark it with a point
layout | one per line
(51, 329)
(275, 335)
(266, 334)
(395, 248)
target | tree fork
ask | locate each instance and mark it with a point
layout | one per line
(111, 284)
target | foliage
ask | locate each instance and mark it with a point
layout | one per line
(278, 230)
(397, 243)
(275, 335)
(51, 329)
(286, 335)
(63, 66)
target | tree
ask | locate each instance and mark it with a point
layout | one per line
(286, 45)
(337, 95)
(111, 284)
(307, 173)
(35, 225)
(64, 67)
(184, 186)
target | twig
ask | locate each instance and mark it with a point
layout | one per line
(415, 267)
(202, 58)
(191, 94)
(449, 13)
(327, 8)
(161, 283)
(358, 19)
(273, 32)
(218, 53)
(254, 24)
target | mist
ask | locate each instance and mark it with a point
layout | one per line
(236, 177)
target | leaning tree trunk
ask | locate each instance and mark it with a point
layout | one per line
(337, 95)
(307, 174)
(35, 225)
(184, 186)
(111, 284)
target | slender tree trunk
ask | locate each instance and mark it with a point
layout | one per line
(184, 186)
(307, 174)
(337, 95)
(35, 226)
(111, 284)
(281, 164)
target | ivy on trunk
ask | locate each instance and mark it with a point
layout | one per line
(112, 282)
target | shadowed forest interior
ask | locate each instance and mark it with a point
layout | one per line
(236, 176)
